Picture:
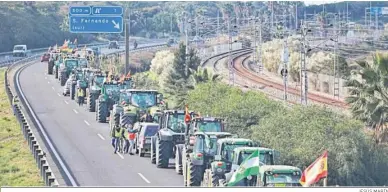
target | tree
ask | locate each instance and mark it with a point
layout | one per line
(368, 96)
(204, 75)
(177, 83)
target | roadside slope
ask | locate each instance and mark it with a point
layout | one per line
(17, 165)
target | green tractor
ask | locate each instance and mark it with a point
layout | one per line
(272, 176)
(82, 81)
(202, 124)
(96, 81)
(199, 154)
(50, 64)
(222, 164)
(133, 104)
(267, 157)
(57, 63)
(66, 68)
(171, 133)
(110, 94)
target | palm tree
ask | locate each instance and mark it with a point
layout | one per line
(368, 93)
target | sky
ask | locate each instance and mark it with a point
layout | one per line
(319, 2)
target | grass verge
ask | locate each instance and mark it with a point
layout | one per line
(17, 165)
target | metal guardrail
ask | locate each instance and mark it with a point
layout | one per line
(46, 48)
(35, 147)
(33, 144)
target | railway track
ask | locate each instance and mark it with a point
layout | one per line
(273, 89)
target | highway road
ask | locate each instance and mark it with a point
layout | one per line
(83, 143)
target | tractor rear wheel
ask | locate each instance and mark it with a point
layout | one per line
(72, 91)
(163, 150)
(102, 112)
(91, 103)
(153, 151)
(50, 66)
(215, 179)
(125, 119)
(196, 174)
(56, 72)
(62, 76)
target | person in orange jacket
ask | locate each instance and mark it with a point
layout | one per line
(131, 140)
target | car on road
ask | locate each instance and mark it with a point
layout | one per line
(113, 45)
(45, 57)
(143, 137)
(20, 51)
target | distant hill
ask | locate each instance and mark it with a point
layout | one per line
(41, 24)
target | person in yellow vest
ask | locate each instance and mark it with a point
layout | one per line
(117, 133)
(81, 96)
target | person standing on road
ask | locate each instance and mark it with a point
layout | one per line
(81, 97)
(116, 133)
(131, 139)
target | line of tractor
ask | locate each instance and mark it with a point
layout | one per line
(198, 147)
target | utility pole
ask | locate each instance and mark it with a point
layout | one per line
(127, 31)
(336, 78)
(230, 66)
(370, 15)
(272, 15)
(260, 57)
(347, 13)
(296, 16)
(284, 56)
(218, 23)
(196, 30)
(376, 28)
(303, 70)
(254, 32)
(187, 43)
(171, 26)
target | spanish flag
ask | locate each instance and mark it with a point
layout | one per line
(315, 171)
(187, 115)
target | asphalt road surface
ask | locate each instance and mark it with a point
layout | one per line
(83, 143)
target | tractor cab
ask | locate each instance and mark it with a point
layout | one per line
(83, 63)
(205, 143)
(156, 114)
(279, 176)
(266, 157)
(71, 63)
(175, 120)
(111, 90)
(207, 124)
(226, 146)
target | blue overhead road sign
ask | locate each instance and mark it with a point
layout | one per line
(107, 10)
(79, 10)
(96, 24)
(376, 10)
(96, 19)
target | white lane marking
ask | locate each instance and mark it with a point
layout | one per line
(75, 111)
(66, 102)
(144, 178)
(48, 82)
(101, 136)
(53, 88)
(120, 155)
(59, 94)
(86, 122)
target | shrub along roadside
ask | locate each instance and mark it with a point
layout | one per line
(17, 165)
(300, 133)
